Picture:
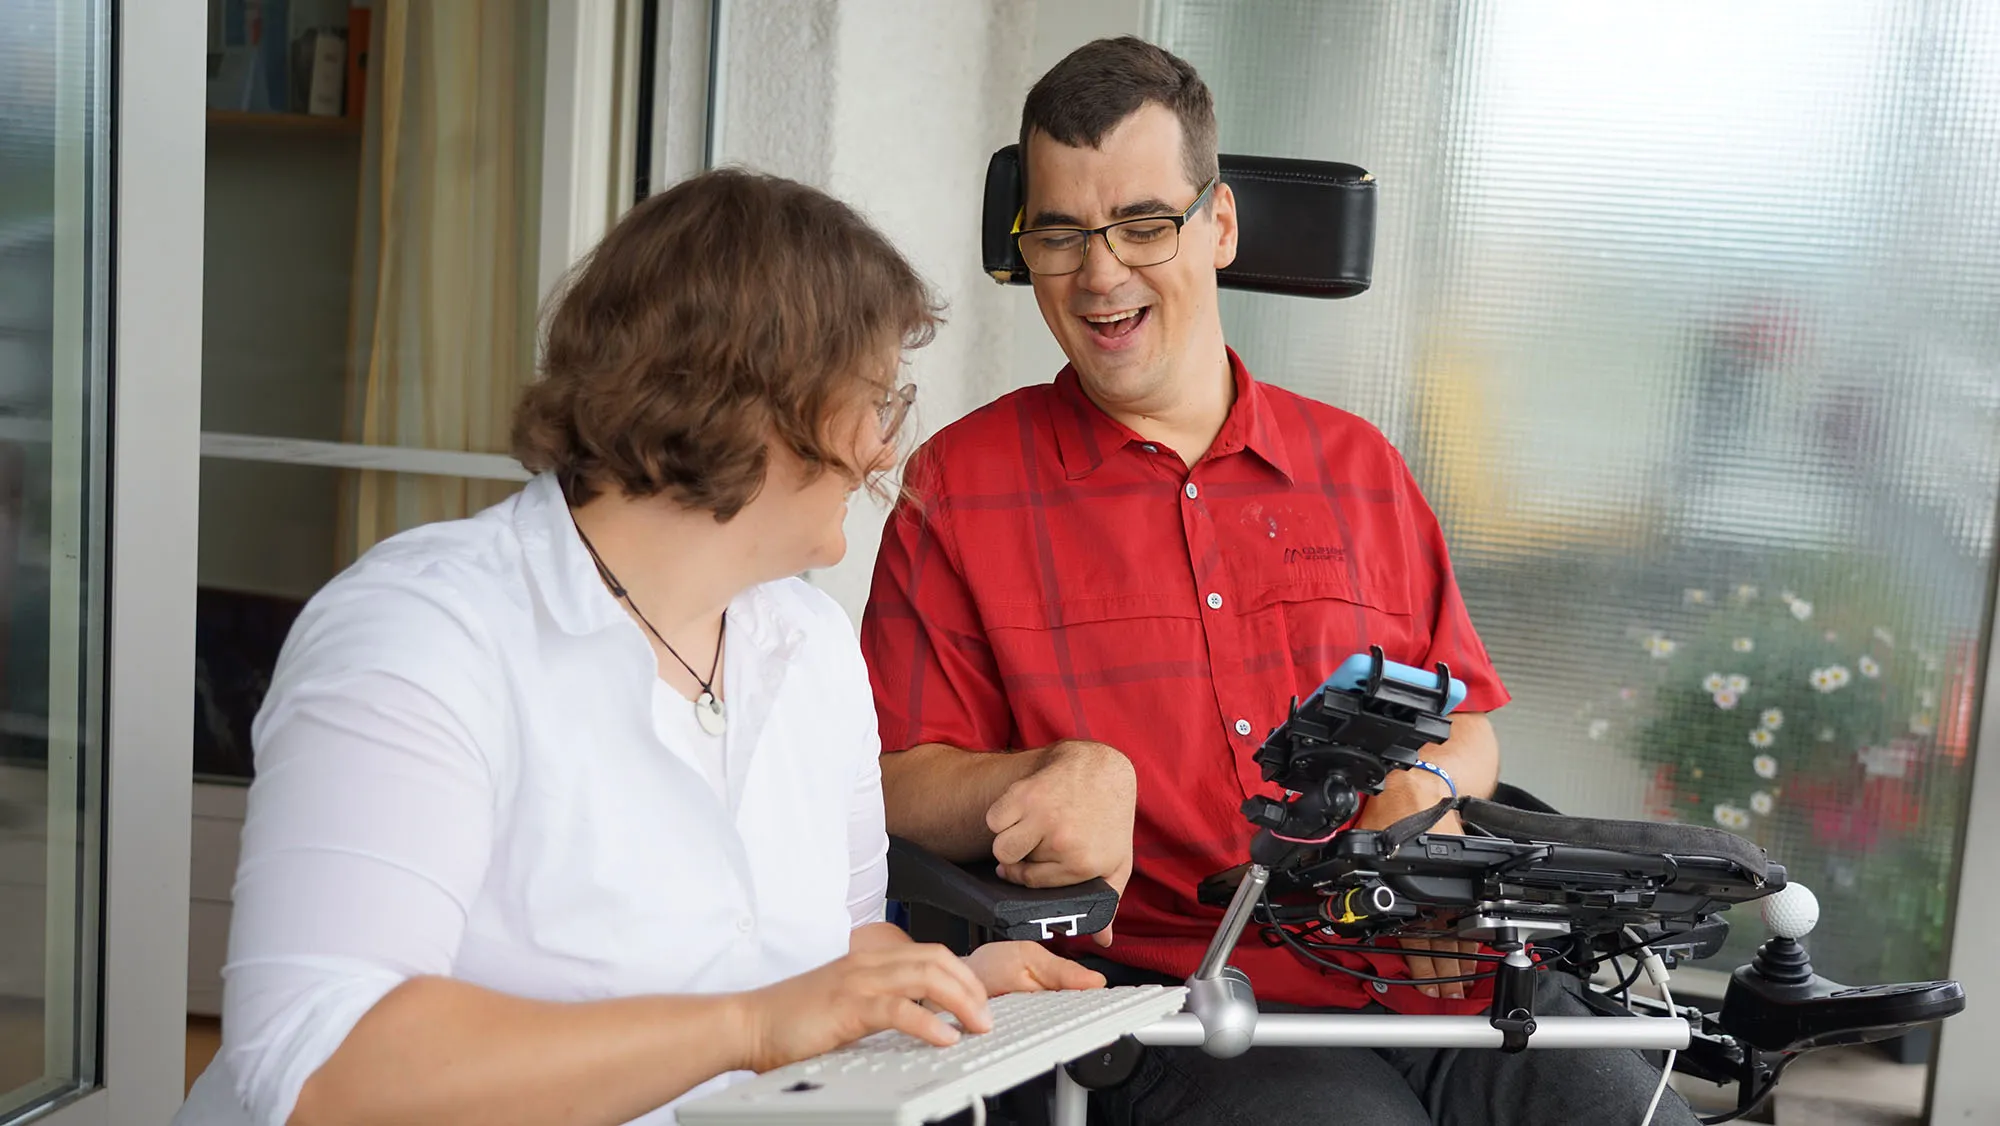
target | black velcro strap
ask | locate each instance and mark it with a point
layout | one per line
(1619, 836)
(1415, 825)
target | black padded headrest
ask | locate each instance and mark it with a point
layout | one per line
(1307, 226)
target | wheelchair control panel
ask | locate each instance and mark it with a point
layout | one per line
(1543, 892)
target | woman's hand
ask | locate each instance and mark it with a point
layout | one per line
(865, 992)
(1024, 967)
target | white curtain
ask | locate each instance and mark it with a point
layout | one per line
(443, 336)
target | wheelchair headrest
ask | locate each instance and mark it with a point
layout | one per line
(1307, 227)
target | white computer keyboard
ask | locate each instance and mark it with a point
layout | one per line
(894, 1078)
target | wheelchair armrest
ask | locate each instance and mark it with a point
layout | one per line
(973, 893)
(1514, 797)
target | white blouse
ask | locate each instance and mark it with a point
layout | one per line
(467, 765)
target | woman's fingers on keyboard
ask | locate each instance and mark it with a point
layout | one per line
(1024, 967)
(948, 983)
(912, 1019)
(1056, 972)
(912, 977)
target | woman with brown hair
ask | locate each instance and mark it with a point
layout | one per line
(572, 808)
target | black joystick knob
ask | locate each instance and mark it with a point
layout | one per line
(1783, 960)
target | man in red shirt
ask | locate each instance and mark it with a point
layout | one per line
(1107, 590)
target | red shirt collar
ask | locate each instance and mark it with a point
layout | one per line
(1086, 436)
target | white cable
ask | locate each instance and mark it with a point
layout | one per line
(1666, 1070)
(978, 1110)
(1656, 972)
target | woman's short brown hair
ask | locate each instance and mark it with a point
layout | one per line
(729, 309)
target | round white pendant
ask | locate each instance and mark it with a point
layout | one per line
(708, 713)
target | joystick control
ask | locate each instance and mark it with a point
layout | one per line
(1778, 1004)
(1789, 914)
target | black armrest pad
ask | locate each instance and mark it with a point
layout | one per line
(917, 875)
(1629, 836)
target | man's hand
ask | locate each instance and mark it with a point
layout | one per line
(1069, 821)
(1407, 792)
(1434, 957)
(1025, 967)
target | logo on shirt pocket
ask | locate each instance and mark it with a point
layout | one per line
(1310, 554)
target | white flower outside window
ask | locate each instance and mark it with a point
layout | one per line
(1772, 719)
(1868, 667)
(1761, 803)
(1743, 645)
(1765, 766)
(1726, 699)
(1761, 738)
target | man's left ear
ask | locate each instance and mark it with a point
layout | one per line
(1224, 202)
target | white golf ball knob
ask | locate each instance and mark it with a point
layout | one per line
(1792, 911)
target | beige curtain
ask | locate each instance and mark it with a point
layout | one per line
(445, 263)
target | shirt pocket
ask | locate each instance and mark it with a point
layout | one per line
(1328, 616)
(1069, 666)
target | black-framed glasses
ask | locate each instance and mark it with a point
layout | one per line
(1147, 241)
(894, 408)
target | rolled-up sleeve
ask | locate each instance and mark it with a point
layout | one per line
(856, 734)
(368, 831)
(867, 842)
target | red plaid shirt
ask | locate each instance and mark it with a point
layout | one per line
(1063, 578)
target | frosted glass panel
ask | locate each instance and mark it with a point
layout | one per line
(1688, 319)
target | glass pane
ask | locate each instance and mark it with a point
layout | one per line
(1684, 317)
(373, 218)
(272, 535)
(53, 223)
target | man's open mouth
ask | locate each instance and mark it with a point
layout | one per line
(1112, 326)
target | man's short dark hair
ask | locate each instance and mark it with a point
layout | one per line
(1105, 81)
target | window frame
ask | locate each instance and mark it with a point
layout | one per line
(154, 380)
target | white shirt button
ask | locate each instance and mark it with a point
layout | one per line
(1150, 448)
(1215, 602)
(744, 925)
(1192, 492)
(1243, 727)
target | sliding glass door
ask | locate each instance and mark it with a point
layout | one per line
(54, 231)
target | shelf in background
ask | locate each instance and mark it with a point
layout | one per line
(298, 123)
